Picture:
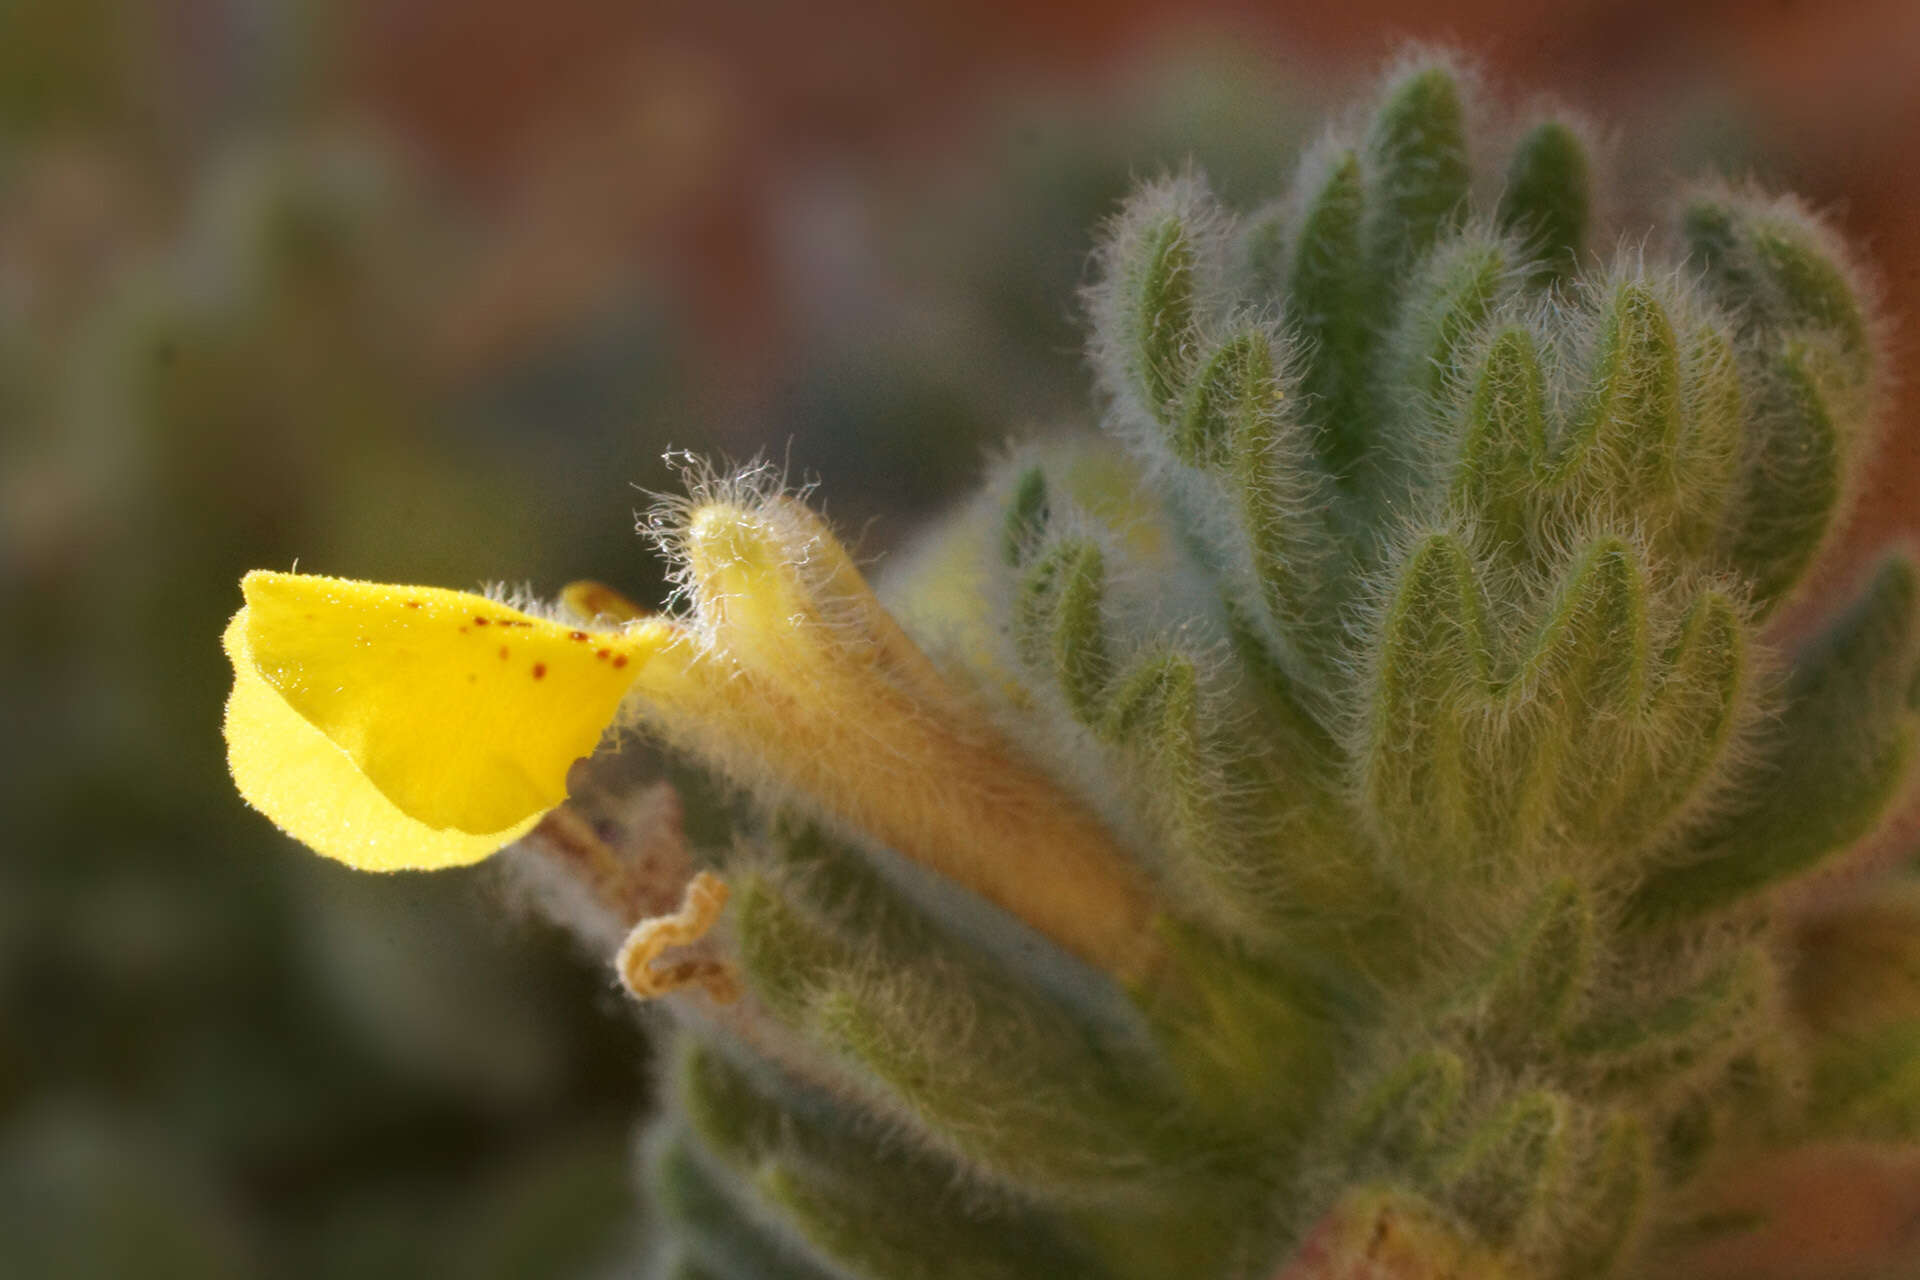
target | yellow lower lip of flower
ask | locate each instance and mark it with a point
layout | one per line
(399, 728)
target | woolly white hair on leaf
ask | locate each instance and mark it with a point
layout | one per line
(998, 1078)
(1219, 815)
(1812, 231)
(1501, 131)
(1431, 352)
(1183, 210)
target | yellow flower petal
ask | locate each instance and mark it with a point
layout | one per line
(404, 727)
(313, 791)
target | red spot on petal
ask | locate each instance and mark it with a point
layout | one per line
(539, 670)
(602, 654)
(479, 621)
(413, 604)
(576, 635)
(503, 651)
(620, 660)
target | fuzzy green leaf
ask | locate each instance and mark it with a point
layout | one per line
(1447, 776)
(1155, 705)
(994, 1071)
(1805, 339)
(1612, 1187)
(785, 961)
(1404, 1120)
(1504, 448)
(1542, 969)
(1707, 456)
(874, 1208)
(1275, 496)
(1249, 1035)
(1577, 697)
(716, 1229)
(1263, 253)
(1621, 445)
(1236, 386)
(1058, 626)
(1501, 1175)
(1222, 802)
(1254, 499)
(1047, 1117)
(1794, 476)
(1155, 715)
(1690, 721)
(1326, 300)
(1432, 654)
(1416, 169)
(723, 1109)
(1770, 264)
(1159, 302)
(1451, 297)
(1588, 665)
(1812, 289)
(1547, 201)
(1026, 518)
(1707, 1021)
(1845, 737)
(873, 1238)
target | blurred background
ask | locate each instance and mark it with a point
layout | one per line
(421, 290)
